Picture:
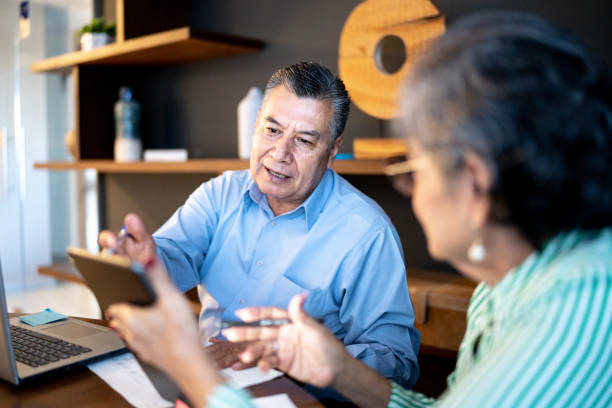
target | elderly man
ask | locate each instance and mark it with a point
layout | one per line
(291, 225)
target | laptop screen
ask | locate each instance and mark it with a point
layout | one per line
(8, 367)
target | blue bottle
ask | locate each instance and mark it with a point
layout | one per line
(128, 146)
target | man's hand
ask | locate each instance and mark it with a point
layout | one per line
(226, 354)
(139, 245)
(305, 349)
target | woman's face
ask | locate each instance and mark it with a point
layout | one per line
(443, 204)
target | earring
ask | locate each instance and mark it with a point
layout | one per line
(477, 252)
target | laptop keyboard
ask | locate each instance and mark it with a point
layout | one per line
(36, 349)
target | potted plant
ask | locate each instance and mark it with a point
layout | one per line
(96, 34)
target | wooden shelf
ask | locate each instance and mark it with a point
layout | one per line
(371, 167)
(167, 47)
(355, 167)
(64, 271)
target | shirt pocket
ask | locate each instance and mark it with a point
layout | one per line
(320, 303)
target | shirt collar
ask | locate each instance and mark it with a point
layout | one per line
(311, 207)
(254, 194)
(314, 204)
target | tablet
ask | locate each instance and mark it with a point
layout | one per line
(113, 278)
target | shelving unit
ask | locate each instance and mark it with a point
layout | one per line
(215, 166)
(180, 45)
(162, 36)
(99, 73)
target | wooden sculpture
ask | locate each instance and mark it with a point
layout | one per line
(371, 83)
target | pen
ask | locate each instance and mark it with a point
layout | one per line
(123, 234)
(226, 324)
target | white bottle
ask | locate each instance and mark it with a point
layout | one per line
(247, 115)
(127, 150)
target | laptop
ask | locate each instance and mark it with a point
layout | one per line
(31, 351)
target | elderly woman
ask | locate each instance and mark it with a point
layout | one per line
(509, 123)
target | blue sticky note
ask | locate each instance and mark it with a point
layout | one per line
(46, 316)
(345, 156)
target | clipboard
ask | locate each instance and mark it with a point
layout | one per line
(113, 278)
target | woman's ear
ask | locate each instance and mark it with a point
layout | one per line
(482, 181)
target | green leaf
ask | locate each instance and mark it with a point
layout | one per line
(98, 25)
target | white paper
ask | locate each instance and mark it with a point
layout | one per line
(247, 377)
(165, 155)
(124, 375)
(274, 401)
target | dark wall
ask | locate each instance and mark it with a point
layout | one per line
(194, 105)
(589, 19)
(200, 99)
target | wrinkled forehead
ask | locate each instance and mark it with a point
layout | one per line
(287, 109)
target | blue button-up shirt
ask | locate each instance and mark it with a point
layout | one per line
(338, 246)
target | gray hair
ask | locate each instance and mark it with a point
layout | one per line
(312, 80)
(533, 103)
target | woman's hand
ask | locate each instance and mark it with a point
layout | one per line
(138, 245)
(308, 352)
(166, 336)
(305, 349)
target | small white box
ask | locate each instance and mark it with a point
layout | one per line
(165, 155)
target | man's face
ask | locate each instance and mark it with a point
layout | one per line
(291, 148)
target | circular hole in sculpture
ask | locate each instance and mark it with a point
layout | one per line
(390, 54)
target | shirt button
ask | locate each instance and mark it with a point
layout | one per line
(241, 301)
(259, 263)
(273, 223)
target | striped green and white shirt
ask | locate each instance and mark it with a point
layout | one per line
(224, 396)
(541, 337)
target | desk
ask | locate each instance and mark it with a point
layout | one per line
(79, 387)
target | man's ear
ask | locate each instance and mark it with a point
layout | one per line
(482, 181)
(334, 151)
(257, 119)
(254, 134)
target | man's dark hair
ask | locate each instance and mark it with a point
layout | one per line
(312, 80)
(533, 102)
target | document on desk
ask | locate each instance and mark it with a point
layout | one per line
(249, 376)
(274, 401)
(123, 374)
